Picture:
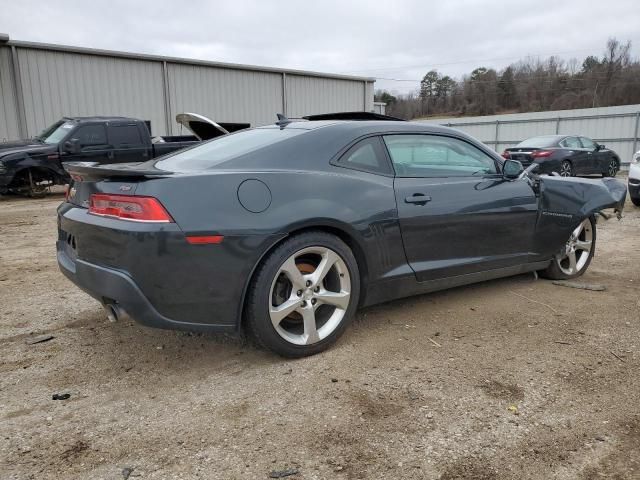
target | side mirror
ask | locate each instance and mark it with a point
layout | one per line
(71, 146)
(512, 169)
(599, 147)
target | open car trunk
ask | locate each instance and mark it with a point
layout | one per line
(206, 129)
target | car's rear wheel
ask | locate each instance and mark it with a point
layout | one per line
(612, 168)
(575, 256)
(304, 295)
(566, 169)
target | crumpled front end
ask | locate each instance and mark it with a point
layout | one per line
(581, 197)
(565, 202)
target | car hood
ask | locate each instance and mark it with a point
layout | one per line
(580, 197)
(25, 146)
(202, 127)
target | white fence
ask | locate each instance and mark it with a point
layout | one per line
(615, 127)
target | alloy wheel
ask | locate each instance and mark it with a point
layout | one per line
(613, 168)
(309, 295)
(566, 170)
(573, 259)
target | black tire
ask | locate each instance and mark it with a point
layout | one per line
(613, 167)
(256, 316)
(635, 201)
(566, 169)
(25, 183)
(554, 272)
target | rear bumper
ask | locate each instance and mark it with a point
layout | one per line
(154, 274)
(111, 286)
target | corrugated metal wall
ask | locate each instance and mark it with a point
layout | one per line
(8, 108)
(55, 84)
(315, 95)
(224, 94)
(616, 127)
(55, 81)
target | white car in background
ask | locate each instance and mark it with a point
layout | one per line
(634, 179)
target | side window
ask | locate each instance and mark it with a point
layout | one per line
(366, 155)
(90, 135)
(124, 135)
(437, 156)
(571, 142)
(588, 143)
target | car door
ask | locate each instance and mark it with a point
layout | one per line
(576, 154)
(128, 144)
(457, 214)
(592, 156)
(89, 145)
(598, 158)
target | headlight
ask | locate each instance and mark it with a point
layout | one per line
(635, 159)
(3, 169)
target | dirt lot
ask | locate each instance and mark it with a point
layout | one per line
(508, 388)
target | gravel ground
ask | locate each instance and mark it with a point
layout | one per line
(508, 379)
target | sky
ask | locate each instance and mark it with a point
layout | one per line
(388, 40)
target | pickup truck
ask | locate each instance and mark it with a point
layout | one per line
(31, 166)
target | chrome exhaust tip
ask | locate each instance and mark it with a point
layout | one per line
(114, 312)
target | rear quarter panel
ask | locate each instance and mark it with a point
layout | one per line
(359, 204)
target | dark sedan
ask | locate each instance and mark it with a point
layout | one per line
(286, 230)
(568, 155)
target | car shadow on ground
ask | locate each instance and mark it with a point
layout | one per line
(124, 344)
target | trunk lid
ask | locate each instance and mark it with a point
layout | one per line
(88, 178)
(523, 154)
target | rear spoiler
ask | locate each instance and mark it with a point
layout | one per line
(86, 170)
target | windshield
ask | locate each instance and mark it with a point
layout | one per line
(221, 149)
(55, 132)
(537, 142)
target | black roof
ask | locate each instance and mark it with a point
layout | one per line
(352, 116)
(101, 118)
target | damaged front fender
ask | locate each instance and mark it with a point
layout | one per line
(565, 202)
(581, 197)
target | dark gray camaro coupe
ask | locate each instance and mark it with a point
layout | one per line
(287, 229)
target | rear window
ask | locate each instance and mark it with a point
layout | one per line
(537, 142)
(124, 135)
(222, 149)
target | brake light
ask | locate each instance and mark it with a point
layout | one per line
(67, 189)
(506, 155)
(541, 153)
(129, 207)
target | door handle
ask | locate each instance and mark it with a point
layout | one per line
(418, 199)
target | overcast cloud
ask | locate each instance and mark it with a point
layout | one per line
(398, 39)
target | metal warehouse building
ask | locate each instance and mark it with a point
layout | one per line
(39, 83)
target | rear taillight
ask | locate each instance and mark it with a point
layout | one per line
(67, 189)
(506, 155)
(541, 153)
(128, 207)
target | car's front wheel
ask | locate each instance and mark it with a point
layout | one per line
(576, 254)
(304, 295)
